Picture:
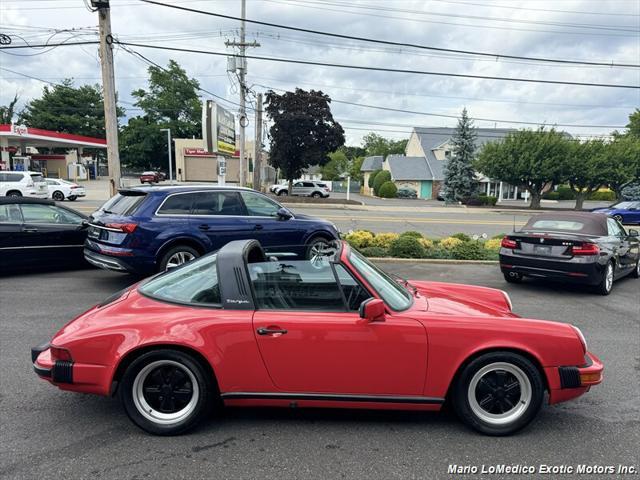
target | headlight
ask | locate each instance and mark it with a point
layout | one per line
(507, 299)
(581, 337)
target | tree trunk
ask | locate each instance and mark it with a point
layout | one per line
(536, 196)
(580, 197)
(289, 189)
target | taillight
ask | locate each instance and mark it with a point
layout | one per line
(75, 186)
(125, 227)
(508, 243)
(585, 249)
(58, 353)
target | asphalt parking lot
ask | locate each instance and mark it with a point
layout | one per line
(46, 433)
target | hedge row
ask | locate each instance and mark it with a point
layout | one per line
(414, 245)
(565, 193)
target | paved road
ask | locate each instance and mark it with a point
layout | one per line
(45, 432)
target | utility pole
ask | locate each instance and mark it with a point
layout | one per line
(257, 148)
(109, 93)
(242, 72)
(168, 130)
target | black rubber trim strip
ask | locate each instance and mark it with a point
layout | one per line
(42, 372)
(569, 377)
(36, 351)
(331, 397)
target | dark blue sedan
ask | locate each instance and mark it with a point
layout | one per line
(626, 212)
(144, 230)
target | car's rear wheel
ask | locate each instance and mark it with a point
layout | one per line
(177, 256)
(14, 193)
(166, 392)
(282, 192)
(513, 277)
(316, 195)
(498, 393)
(636, 271)
(606, 283)
(73, 198)
(618, 218)
(58, 196)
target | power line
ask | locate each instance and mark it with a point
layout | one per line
(389, 42)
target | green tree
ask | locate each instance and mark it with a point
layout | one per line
(372, 177)
(382, 177)
(170, 101)
(8, 112)
(352, 152)
(633, 127)
(375, 144)
(337, 165)
(354, 170)
(68, 109)
(622, 157)
(530, 159)
(588, 169)
(459, 175)
(303, 131)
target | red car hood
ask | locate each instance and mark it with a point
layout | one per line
(468, 300)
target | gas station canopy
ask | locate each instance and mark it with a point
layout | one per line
(35, 137)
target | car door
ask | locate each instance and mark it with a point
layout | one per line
(312, 343)
(12, 253)
(268, 227)
(619, 239)
(53, 235)
(634, 213)
(220, 216)
(298, 189)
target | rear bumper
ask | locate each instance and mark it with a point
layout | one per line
(589, 273)
(567, 382)
(105, 262)
(123, 260)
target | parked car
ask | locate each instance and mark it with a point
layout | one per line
(588, 248)
(276, 186)
(38, 233)
(150, 177)
(148, 229)
(407, 193)
(60, 189)
(304, 188)
(238, 328)
(23, 184)
(440, 196)
(626, 212)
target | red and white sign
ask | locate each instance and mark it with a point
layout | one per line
(198, 152)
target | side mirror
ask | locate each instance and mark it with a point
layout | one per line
(372, 310)
(284, 214)
(633, 233)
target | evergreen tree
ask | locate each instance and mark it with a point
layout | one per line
(459, 175)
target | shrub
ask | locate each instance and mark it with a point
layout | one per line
(499, 236)
(359, 238)
(382, 177)
(488, 200)
(426, 243)
(388, 190)
(469, 251)
(438, 252)
(384, 240)
(472, 201)
(449, 243)
(406, 247)
(411, 233)
(461, 236)
(372, 177)
(374, 252)
(493, 244)
(552, 196)
(603, 196)
(565, 193)
(631, 192)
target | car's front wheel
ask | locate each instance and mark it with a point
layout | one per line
(316, 195)
(636, 271)
(282, 192)
(498, 393)
(176, 256)
(167, 392)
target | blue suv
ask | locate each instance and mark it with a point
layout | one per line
(144, 230)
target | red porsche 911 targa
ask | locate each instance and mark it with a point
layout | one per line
(239, 328)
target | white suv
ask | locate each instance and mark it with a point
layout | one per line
(303, 188)
(23, 184)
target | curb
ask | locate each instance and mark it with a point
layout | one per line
(444, 261)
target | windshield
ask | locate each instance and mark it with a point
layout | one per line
(37, 177)
(389, 290)
(194, 283)
(123, 204)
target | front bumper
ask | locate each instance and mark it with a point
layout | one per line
(567, 382)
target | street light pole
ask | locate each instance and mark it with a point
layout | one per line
(168, 130)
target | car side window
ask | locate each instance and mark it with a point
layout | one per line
(259, 206)
(297, 184)
(296, 285)
(308, 184)
(179, 204)
(218, 203)
(52, 182)
(48, 214)
(614, 228)
(10, 214)
(354, 293)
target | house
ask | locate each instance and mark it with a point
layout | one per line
(412, 172)
(370, 165)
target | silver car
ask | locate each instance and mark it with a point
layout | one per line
(304, 188)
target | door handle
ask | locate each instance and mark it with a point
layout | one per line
(29, 230)
(258, 227)
(204, 227)
(271, 331)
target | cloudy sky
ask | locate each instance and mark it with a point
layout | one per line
(585, 30)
